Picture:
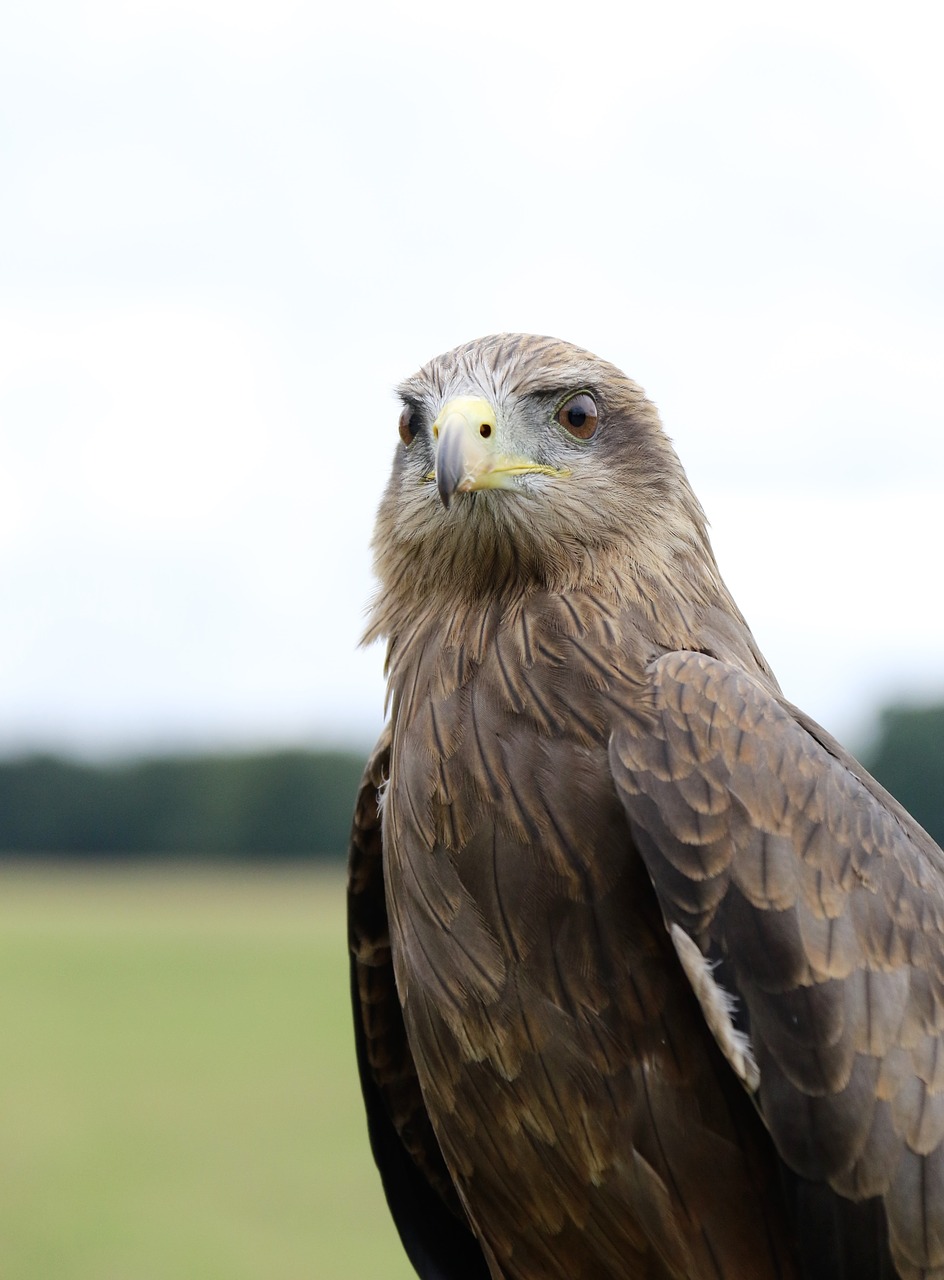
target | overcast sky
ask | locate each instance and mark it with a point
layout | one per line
(228, 230)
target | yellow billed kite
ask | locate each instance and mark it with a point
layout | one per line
(648, 972)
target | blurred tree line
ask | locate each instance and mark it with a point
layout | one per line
(272, 805)
(907, 757)
(299, 803)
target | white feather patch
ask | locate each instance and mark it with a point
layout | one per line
(718, 1007)
(382, 796)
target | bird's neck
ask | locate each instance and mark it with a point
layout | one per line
(668, 601)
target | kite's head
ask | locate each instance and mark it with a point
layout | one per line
(527, 461)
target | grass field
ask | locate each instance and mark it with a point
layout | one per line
(177, 1087)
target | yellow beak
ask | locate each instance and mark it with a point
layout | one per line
(468, 454)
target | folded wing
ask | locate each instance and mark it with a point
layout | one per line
(818, 904)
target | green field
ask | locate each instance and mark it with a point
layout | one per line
(177, 1087)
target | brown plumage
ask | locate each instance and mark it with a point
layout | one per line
(648, 973)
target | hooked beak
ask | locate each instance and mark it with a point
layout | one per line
(468, 452)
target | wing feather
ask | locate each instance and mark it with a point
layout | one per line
(422, 1198)
(773, 850)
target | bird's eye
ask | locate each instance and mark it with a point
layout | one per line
(408, 428)
(579, 416)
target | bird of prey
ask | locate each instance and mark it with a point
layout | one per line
(648, 972)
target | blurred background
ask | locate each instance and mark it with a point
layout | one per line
(227, 232)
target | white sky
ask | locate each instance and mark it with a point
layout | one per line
(227, 230)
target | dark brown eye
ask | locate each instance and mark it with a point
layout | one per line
(407, 428)
(579, 416)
